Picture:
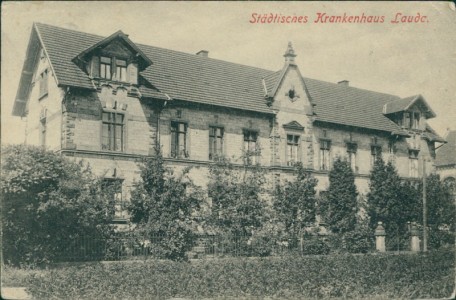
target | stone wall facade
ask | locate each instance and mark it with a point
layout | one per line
(74, 126)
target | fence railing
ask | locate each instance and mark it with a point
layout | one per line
(200, 246)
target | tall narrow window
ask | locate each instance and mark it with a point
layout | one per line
(407, 120)
(112, 131)
(179, 139)
(215, 142)
(121, 70)
(250, 146)
(292, 149)
(351, 151)
(376, 153)
(416, 120)
(43, 129)
(325, 154)
(105, 67)
(113, 187)
(413, 163)
(44, 83)
(391, 147)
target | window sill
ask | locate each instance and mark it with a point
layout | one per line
(43, 96)
(114, 81)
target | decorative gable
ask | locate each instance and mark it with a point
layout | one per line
(115, 58)
(410, 112)
(293, 125)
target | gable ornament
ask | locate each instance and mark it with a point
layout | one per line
(292, 95)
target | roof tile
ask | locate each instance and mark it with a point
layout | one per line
(190, 77)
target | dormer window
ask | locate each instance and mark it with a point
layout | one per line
(411, 120)
(105, 67)
(121, 70)
(114, 58)
(112, 68)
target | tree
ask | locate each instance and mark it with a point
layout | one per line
(295, 202)
(441, 211)
(164, 208)
(393, 201)
(342, 198)
(236, 194)
(49, 204)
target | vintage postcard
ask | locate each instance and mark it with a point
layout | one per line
(227, 150)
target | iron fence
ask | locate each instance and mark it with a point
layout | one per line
(200, 246)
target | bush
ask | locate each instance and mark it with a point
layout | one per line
(237, 204)
(295, 202)
(360, 240)
(300, 277)
(315, 245)
(165, 208)
(48, 203)
(440, 239)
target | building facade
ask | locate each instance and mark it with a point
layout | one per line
(445, 162)
(109, 101)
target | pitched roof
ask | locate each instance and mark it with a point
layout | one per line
(432, 136)
(406, 103)
(341, 104)
(193, 78)
(144, 62)
(446, 155)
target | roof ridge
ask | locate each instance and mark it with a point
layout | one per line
(161, 48)
(354, 87)
(68, 29)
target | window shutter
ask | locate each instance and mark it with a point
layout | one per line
(132, 71)
(95, 72)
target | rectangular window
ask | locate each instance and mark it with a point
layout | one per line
(105, 67)
(407, 120)
(113, 187)
(112, 131)
(416, 120)
(215, 142)
(44, 83)
(121, 70)
(293, 142)
(391, 147)
(325, 154)
(179, 140)
(376, 153)
(250, 146)
(351, 151)
(413, 163)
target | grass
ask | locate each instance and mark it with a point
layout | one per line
(401, 276)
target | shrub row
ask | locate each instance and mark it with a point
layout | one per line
(351, 276)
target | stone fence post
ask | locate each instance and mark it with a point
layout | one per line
(414, 238)
(380, 238)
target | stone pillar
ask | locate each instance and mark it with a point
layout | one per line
(380, 238)
(414, 238)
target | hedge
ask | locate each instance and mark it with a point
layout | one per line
(352, 276)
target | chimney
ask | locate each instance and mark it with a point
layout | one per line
(203, 53)
(289, 54)
(344, 82)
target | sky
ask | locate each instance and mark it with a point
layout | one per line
(402, 59)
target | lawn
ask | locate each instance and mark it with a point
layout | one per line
(402, 276)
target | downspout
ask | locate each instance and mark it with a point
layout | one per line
(158, 143)
(62, 130)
